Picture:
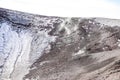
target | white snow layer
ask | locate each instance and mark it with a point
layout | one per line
(19, 50)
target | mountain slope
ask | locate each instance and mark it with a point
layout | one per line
(36, 47)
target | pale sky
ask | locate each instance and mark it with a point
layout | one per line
(66, 8)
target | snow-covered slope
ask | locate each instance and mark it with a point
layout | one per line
(35, 47)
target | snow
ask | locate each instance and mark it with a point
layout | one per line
(20, 50)
(118, 40)
(118, 45)
(79, 52)
(14, 46)
(109, 22)
(40, 44)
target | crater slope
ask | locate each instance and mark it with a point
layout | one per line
(36, 47)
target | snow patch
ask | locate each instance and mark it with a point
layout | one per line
(15, 49)
(79, 52)
(40, 44)
(20, 50)
(109, 22)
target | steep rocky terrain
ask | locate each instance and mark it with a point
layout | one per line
(35, 47)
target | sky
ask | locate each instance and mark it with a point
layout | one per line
(66, 8)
